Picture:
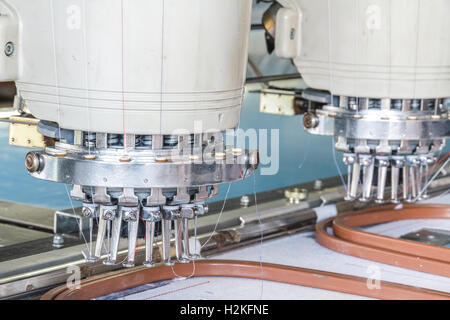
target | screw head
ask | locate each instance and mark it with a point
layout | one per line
(201, 209)
(398, 163)
(108, 214)
(151, 214)
(86, 212)
(171, 212)
(310, 120)
(348, 160)
(9, 49)
(33, 162)
(187, 211)
(129, 215)
(365, 161)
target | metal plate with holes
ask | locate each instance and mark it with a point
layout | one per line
(73, 169)
(23, 133)
(370, 125)
(431, 236)
(277, 102)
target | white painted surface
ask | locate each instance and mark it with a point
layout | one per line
(302, 250)
(374, 48)
(80, 67)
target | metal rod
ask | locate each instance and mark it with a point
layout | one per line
(395, 175)
(349, 182)
(149, 238)
(108, 234)
(166, 230)
(274, 78)
(424, 191)
(187, 250)
(91, 228)
(355, 180)
(381, 182)
(257, 27)
(132, 239)
(115, 238)
(179, 241)
(368, 169)
(405, 182)
(419, 177)
(195, 255)
(100, 237)
(413, 185)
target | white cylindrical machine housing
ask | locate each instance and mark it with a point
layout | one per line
(397, 49)
(133, 66)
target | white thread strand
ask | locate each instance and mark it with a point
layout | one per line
(261, 238)
(333, 150)
(306, 154)
(220, 215)
(433, 178)
(86, 72)
(58, 102)
(330, 41)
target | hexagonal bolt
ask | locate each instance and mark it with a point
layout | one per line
(318, 185)
(58, 241)
(245, 201)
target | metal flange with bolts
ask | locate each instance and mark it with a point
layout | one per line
(400, 136)
(124, 179)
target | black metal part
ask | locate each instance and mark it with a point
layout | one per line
(274, 78)
(141, 229)
(52, 130)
